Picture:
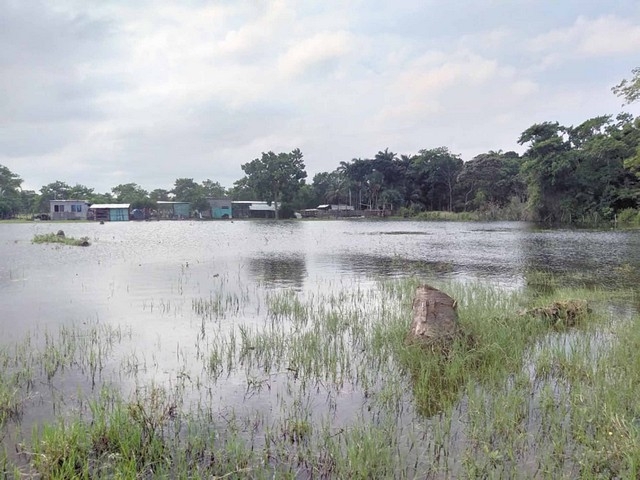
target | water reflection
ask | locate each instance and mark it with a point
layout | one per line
(279, 271)
(392, 266)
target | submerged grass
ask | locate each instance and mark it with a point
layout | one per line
(333, 391)
(61, 239)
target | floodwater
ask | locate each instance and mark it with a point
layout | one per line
(147, 277)
(132, 265)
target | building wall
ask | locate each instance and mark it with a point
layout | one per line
(118, 214)
(181, 210)
(220, 208)
(68, 209)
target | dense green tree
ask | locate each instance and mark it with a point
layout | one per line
(578, 173)
(80, 192)
(57, 190)
(491, 178)
(159, 194)
(101, 198)
(304, 198)
(10, 200)
(276, 177)
(211, 189)
(433, 175)
(241, 190)
(186, 190)
(336, 188)
(133, 194)
(548, 168)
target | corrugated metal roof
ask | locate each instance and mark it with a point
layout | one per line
(263, 207)
(110, 205)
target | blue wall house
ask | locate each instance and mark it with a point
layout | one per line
(68, 209)
(173, 210)
(109, 212)
(220, 207)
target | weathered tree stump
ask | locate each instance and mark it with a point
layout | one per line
(435, 319)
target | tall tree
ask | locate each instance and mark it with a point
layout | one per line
(187, 190)
(211, 189)
(10, 183)
(276, 177)
(133, 194)
(491, 179)
(433, 176)
(57, 190)
(159, 194)
(577, 174)
(241, 190)
(548, 167)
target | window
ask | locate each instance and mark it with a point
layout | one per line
(58, 208)
(76, 208)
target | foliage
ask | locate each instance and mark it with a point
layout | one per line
(434, 173)
(629, 90)
(491, 178)
(584, 174)
(10, 198)
(62, 239)
(578, 174)
(133, 194)
(276, 177)
(629, 217)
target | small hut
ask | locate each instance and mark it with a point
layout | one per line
(109, 212)
(173, 210)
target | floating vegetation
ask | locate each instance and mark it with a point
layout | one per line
(61, 239)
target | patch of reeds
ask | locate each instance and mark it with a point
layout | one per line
(61, 239)
(331, 390)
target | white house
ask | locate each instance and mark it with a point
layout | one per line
(68, 209)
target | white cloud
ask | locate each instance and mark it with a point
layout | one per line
(158, 90)
(602, 36)
(314, 51)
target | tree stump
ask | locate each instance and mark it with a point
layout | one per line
(435, 319)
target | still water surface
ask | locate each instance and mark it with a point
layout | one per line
(132, 264)
(147, 274)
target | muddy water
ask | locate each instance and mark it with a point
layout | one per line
(148, 276)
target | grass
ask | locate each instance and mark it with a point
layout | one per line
(329, 389)
(61, 239)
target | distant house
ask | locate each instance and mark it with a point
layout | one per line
(252, 209)
(220, 207)
(332, 210)
(68, 209)
(173, 210)
(335, 208)
(109, 212)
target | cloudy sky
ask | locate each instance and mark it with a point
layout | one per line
(103, 92)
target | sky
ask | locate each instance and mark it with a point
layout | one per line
(105, 92)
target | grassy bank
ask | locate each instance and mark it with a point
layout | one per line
(332, 391)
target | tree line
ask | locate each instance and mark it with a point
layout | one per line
(567, 174)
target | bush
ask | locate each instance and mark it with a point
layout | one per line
(629, 217)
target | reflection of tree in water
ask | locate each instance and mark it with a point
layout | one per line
(279, 271)
(390, 266)
(556, 259)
